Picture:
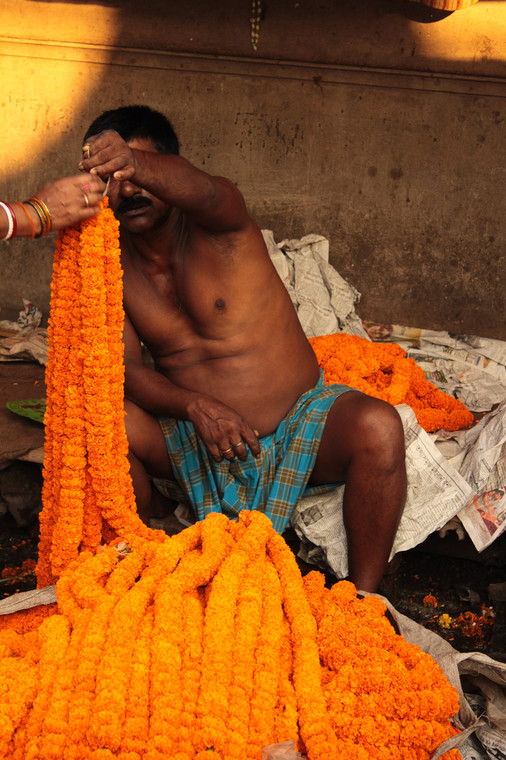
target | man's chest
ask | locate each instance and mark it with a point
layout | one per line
(173, 312)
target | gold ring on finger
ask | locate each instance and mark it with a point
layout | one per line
(86, 200)
(227, 451)
(235, 445)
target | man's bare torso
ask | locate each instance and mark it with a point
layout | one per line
(218, 320)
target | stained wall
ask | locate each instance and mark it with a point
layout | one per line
(377, 123)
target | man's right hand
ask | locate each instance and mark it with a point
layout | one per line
(107, 154)
(225, 433)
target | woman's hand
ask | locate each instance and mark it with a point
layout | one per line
(72, 199)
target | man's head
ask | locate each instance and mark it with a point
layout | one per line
(138, 122)
(147, 130)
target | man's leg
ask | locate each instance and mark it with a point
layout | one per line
(363, 445)
(148, 457)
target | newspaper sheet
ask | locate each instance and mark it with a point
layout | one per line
(479, 454)
(484, 468)
(467, 366)
(473, 369)
(324, 301)
(29, 344)
(436, 492)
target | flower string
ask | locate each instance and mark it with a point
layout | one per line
(243, 732)
(54, 635)
(219, 630)
(264, 695)
(285, 715)
(192, 633)
(137, 713)
(314, 723)
(87, 493)
(383, 371)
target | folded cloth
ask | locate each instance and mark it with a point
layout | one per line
(271, 483)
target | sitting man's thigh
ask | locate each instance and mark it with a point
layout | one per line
(358, 427)
(146, 441)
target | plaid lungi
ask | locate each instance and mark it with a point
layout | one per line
(271, 483)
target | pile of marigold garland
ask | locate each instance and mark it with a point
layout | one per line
(383, 370)
(207, 641)
(211, 640)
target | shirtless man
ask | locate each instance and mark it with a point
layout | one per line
(231, 359)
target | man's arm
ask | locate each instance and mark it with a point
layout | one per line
(217, 424)
(212, 202)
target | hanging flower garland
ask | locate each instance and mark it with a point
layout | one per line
(382, 370)
(87, 492)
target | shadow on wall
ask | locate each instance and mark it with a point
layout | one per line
(238, 110)
(51, 108)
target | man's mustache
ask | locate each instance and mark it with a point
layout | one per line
(136, 201)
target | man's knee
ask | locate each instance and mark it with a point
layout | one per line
(143, 432)
(135, 423)
(362, 431)
(379, 432)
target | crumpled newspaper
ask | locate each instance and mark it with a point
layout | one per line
(324, 301)
(24, 340)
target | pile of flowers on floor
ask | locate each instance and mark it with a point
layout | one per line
(211, 640)
(382, 370)
(206, 644)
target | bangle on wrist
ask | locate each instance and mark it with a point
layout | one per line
(39, 214)
(29, 218)
(47, 222)
(12, 221)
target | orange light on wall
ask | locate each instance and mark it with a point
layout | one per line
(447, 5)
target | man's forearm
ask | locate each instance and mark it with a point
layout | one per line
(154, 393)
(175, 181)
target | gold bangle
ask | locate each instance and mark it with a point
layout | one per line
(46, 213)
(41, 218)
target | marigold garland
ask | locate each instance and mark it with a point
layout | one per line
(87, 492)
(383, 370)
(204, 644)
(138, 663)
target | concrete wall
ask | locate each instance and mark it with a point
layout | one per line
(377, 123)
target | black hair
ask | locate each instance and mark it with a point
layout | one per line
(132, 122)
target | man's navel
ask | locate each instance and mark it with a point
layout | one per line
(220, 305)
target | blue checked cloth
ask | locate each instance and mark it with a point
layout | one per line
(271, 483)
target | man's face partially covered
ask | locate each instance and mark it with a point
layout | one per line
(137, 210)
